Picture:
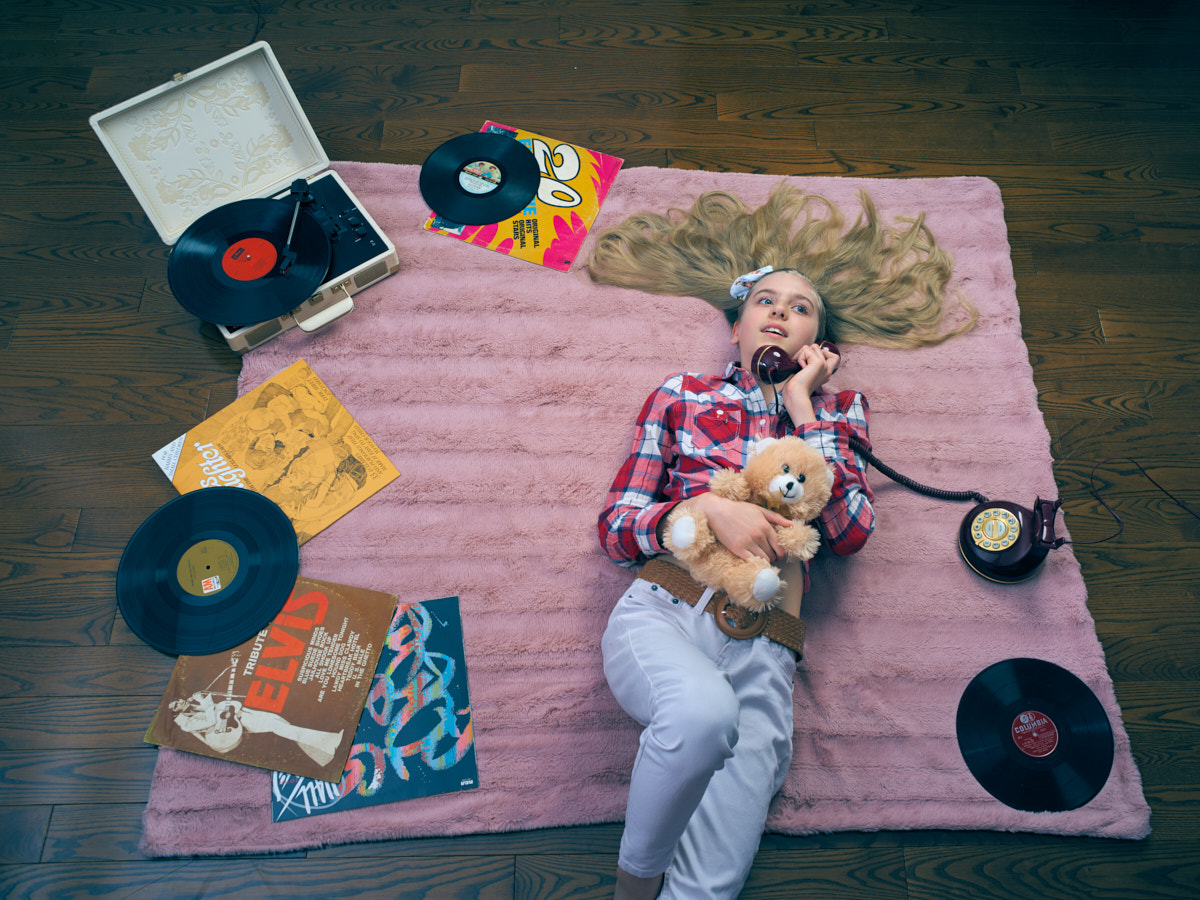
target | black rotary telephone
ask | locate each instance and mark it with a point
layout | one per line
(998, 539)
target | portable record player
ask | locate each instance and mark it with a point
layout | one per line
(227, 167)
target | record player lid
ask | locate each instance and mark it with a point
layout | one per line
(230, 130)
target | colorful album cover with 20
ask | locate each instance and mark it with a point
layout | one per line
(415, 737)
(551, 230)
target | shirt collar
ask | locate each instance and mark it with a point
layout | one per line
(735, 374)
(747, 384)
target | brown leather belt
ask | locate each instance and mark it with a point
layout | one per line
(735, 621)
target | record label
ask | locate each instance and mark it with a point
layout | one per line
(225, 267)
(207, 567)
(207, 571)
(1034, 734)
(480, 177)
(249, 259)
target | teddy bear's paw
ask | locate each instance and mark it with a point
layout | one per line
(766, 585)
(800, 541)
(811, 546)
(683, 532)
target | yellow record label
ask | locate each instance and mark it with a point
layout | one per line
(207, 567)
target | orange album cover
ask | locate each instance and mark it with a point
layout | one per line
(289, 699)
(550, 231)
(289, 439)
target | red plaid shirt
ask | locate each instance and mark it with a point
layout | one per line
(694, 425)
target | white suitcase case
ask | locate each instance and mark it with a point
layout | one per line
(233, 130)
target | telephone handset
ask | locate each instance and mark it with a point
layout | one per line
(998, 539)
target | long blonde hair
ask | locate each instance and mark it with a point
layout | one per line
(881, 285)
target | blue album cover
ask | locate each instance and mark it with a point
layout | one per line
(415, 736)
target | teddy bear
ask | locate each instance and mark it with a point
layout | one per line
(783, 474)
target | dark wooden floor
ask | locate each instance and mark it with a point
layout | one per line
(1084, 112)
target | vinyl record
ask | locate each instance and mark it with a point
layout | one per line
(207, 571)
(480, 178)
(1034, 736)
(234, 265)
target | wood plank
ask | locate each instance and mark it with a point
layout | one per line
(51, 469)
(1124, 83)
(975, 47)
(24, 833)
(121, 722)
(619, 71)
(1152, 651)
(78, 833)
(838, 874)
(981, 135)
(46, 530)
(331, 79)
(96, 349)
(133, 28)
(888, 99)
(84, 672)
(98, 406)
(1171, 399)
(106, 447)
(1098, 869)
(1089, 137)
(639, 143)
(33, 294)
(469, 111)
(139, 482)
(1022, 26)
(1097, 396)
(479, 878)
(109, 529)
(663, 30)
(79, 589)
(76, 776)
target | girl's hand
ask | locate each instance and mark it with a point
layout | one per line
(818, 365)
(744, 529)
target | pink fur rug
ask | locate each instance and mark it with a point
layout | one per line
(505, 394)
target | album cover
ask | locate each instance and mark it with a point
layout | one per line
(550, 231)
(289, 439)
(289, 698)
(415, 737)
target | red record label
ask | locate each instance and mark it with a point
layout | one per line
(1035, 734)
(249, 259)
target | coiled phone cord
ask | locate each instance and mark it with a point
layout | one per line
(859, 446)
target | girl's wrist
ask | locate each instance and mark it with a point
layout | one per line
(800, 410)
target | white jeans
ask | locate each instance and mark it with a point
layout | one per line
(716, 744)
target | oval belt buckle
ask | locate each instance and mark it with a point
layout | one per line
(729, 625)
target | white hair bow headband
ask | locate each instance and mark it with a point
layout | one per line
(740, 288)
